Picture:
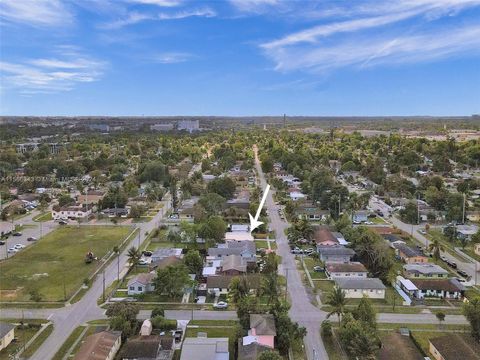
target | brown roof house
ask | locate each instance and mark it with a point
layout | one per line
(440, 288)
(349, 270)
(454, 347)
(100, 346)
(150, 347)
(233, 265)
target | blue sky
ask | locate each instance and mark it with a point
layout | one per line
(239, 57)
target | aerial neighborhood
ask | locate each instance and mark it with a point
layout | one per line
(148, 241)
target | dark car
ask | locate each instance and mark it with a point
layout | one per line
(17, 233)
(62, 222)
(452, 264)
(31, 238)
(463, 273)
(147, 253)
(2, 242)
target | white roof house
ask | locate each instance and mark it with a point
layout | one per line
(203, 348)
(240, 228)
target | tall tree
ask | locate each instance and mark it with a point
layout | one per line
(133, 256)
(337, 300)
(471, 310)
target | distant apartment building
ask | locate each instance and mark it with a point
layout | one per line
(189, 125)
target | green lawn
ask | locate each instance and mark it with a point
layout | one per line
(38, 342)
(55, 260)
(310, 263)
(46, 216)
(23, 336)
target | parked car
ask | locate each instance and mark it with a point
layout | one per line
(17, 233)
(318, 269)
(12, 250)
(443, 258)
(147, 253)
(462, 273)
(452, 264)
(423, 232)
(2, 242)
(142, 262)
(32, 238)
(62, 222)
(19, 246)
(220, 305)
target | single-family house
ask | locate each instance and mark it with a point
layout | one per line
(409, 255)
(150, 347)
(407, 286)
(465, 232)
(7, 334)
(424, 271)
(360, 217)
(141, 284)
(218, 285)
(335, 253)
(78, 211)
(296, 194)
(204, 348)
(336, 270)
(115, 212)
(393, 239)
(439, 288)
(246, 249)
(324, 237)
(92, 197)
(307, 211)
(100, 346)
(163, 253)
(357, 288)
(162, 263)
(453, 347)
(340, 238)
(262, 330)
(233, 265)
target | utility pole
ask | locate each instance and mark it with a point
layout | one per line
(286, 284)
(103, 292)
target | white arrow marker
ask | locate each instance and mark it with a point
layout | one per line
(254, 223)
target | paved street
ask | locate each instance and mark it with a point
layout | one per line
(201, 314)
(302, 310)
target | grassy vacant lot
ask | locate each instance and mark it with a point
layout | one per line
(46, 216)
(56, 259)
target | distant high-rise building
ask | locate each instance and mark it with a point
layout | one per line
(189, 125)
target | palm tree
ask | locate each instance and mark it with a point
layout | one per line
(270, 287)
(435, 247)
(133, 256)
(238, 289)
(336, 299)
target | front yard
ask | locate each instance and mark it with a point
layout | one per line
(57, 260)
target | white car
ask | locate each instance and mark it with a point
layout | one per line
(12, 250)
(220, 305)
(19, 246)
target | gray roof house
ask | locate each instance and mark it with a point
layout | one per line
(203, 348)
(335, 253)
(357, 288)
(245, 249)
(427, 270)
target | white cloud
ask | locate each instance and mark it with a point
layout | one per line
(162, 3)
(171, 57)
(136, 17)
(366, 36)
(253, 6)
(51, 74)
(378, 14)
(379, 50)
(35, 12)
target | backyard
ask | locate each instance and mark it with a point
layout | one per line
(55, 262)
